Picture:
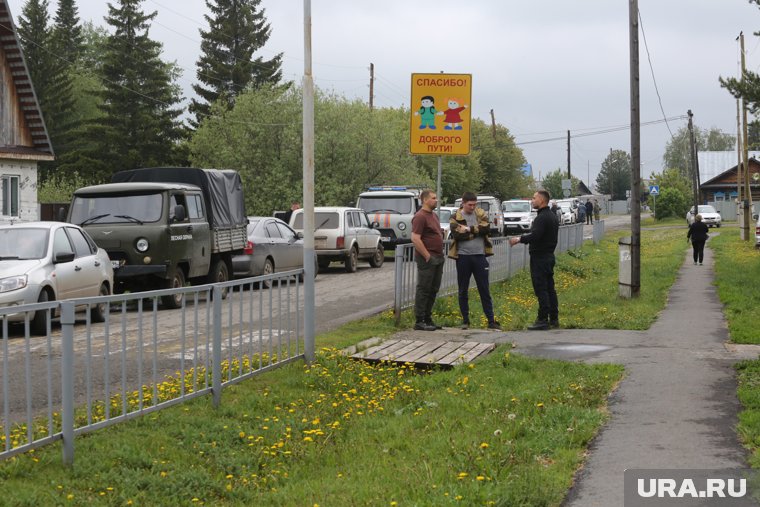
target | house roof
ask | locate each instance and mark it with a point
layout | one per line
(41, 148)
(714, 163)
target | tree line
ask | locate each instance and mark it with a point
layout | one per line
(112, 103)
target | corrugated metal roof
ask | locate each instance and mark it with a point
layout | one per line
(28, 103)
(715, 163)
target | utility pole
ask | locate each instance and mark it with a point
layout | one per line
(371, 86)
(568, 156)
(635, 241)
(693, 164)
(747, 202)
(308, 190)
(739, 144)
(493, 125)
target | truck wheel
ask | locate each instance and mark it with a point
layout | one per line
(377, 260)
(268, 270)
(174, 301)
(219, 273)
(352, 260)
(98, 313)
(38, 323)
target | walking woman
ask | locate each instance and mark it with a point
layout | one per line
(698, 234)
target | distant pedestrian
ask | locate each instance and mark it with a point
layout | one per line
(698, 234)
(597, 209)
(589, 212)
(581, 213)
(542, 240)
(428, 247)
(295, 205)
(471, 244)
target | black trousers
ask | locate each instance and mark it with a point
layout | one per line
(476, 266)
(429, 276)
(699, 250)
(542, 276)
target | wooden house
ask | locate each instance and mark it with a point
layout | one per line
(723, 185)
(24, 140)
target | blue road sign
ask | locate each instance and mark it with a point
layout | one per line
(654, 189)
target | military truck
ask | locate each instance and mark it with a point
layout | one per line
(393, 208)
(164, 227)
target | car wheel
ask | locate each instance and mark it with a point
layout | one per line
(323, 263)
(377, 260)
(268, 270)
(717, 225)
(98, 312)
(174, 301)
(38, 323)
(352, 260)
(220, 274)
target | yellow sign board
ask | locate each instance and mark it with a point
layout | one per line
(441, 114)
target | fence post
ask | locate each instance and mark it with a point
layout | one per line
(216, 359)
(67, 380)
(397, 289)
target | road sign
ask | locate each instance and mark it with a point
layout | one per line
(441, 114)
(566, 192)
(567, 184)
(654, 189)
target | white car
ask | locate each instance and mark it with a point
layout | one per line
(343, 235)
(568, 215)
(518, 216)
(757, 232)
(445, 217)
(710, 217)
(50, 261)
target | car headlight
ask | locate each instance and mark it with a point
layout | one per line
(142, 245)
(401, 226)
(13, 283)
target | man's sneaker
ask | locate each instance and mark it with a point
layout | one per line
(431, 323)
(554, 323)
(421, 326)
(494, 325)
(539, 325)
(465, 325)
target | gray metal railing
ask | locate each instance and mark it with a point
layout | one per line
(87, 375)
(505, 262)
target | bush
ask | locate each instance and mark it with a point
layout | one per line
(671, 203)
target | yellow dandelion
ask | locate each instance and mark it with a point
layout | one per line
(484, 445)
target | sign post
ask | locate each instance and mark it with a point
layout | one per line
(654, 191)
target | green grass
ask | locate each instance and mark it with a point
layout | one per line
(505, 431)
(737, 269)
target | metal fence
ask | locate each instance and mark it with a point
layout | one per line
(83, 375)
(505, 262)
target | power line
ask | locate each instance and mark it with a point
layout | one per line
(651, 68)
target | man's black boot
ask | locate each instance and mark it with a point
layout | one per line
(539, 325)
(554, 322)
(430, 322)
(421, 326)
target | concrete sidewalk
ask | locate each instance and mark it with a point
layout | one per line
(676, 407)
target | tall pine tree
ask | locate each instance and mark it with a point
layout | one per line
(237, 29)
(615, 175)
(68, 40)
(140, 126)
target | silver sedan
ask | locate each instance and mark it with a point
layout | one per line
(49, 261)
(272, 247)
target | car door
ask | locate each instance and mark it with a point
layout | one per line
(367, 241)
(201, 234)
(275, 245)
(65, 274)
(87, 265)
(292, 248)
(352, 234)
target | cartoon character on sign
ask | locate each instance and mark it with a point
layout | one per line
(427, 112)
(451, 115)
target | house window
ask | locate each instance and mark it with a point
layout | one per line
(719, 196)
(10, 197)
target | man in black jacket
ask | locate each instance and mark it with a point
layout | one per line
(542, 240)
(698, 234)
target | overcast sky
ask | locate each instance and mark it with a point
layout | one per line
(543, 67)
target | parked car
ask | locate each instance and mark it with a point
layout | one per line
(572, 205)
(445, 217)
(343, 235)
(273, 247)
(50, 261)
(757, 231)
(710, 217)
(568, 215)
(518, 216)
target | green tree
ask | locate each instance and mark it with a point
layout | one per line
(669, 178)
(753, 134)
(501, 160)
(552, 183)
(139, 126)
(226, 67)
(671, 202)
(614, 178)
(677, 154)
(67, 37)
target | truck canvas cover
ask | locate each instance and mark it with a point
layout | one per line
(222, 189)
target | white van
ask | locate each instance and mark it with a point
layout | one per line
(492, 206)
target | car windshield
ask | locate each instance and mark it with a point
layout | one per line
(390, 204)
(23, 243)
(322, 220)
(707, 209)
(517, 207)
(111, 209)
(445, 216)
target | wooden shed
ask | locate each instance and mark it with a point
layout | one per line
(24, 140)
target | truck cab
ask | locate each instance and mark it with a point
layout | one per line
(393, 208)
